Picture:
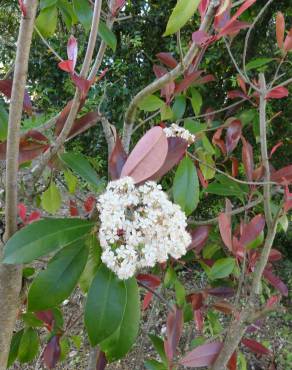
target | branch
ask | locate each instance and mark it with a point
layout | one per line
(157, 295)
(162, 81)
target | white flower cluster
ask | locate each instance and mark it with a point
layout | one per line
(139, 227)
(176, 131)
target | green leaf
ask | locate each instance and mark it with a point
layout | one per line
(196, 101)
(53, 285)
(43, 237)
(46, 21)
(227, 187)
(209, 250)
(186, 186)
(151, 103)
(80, 165)
(107, 35)
(180, 293)
(14, 347)
(3, 123)
(47, 3)
(214, 323)
(105, 305)
(257, 63)
(71, 181)
(28, 346)
(121, 341)
(31, 320)
(207, 145)
(181, 13)
(68, 13)
(154, 365)
(206, 164)
(222, 268)
(84, 13)
(179, 107)
(193, 126)
(92, 264)
(51, 199)
(242, 361)
(166, 112)
(158, 344)
(65, 348)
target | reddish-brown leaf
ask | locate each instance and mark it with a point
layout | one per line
(101, 361)
(64, 115)
(222, 15)
(200, 37)
(176, 151)
(247, 158)
(147, 300)
(278, 93)
(255, 346)
(147, 157)
(275, 147)
(273, 300)
(117, 159)
(84, 123)
(203, 355)
(288, 41)
(280, 29)
(174, 328)
(22, 212)
(199, 238)
(202, 179)
(252, 230)
(235, 166)
(187, 81)
(203, 6)
(283, 176)
(73, 210)
(232, 363)
(89, 203)
(204, 80)
(34, 216)
(52, 352)
(216, 140)
(82, 84)
(72, 50)
(22, 7)
(66, 66)
(233, 135)
(199, 320)
(168, 90)
(233, 28)
(224, 306)
(196, 299)
(224, 222)
(47, 317)
(6, 89)
(224, 292)
(167, 59)
(287, 199)
(276, 282)
(275, 255)
(233, 94)
(116, 6)
(152, 281)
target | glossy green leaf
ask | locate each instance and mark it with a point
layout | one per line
(154, 365)
(158, 344)
(46, 21)
(14, 347)
(43, 237)
(3, 123)
(84, 13)
(222, 268)
(92, 264)
(81, 166)
(68, 13)
(186, 186)
(258, 63)
(105, 305)
(47, 3)
(227, 187)
(71, 181)
(193, 126)
(31, 320)
(180, 293)
(181, 13)
(28, 346)
(53, 285)
(207, 164)
(197, 101)
(51, 199)
(121, 341)
(151, 103)
(107, 35)
(179, 107)
(166, 112)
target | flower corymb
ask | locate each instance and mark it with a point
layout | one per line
(176, 131)
(139, 227)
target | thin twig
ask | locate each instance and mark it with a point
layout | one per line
(155, 114)
(47, 44)
(157, 295)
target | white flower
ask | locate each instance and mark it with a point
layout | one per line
(177, 131)
(139, 227)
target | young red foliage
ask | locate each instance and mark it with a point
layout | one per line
(174, 328)
(6, 89)
(247, 158)
(199, 320)
(287, 199)
(199, 238)
(52, 352)
(117, 159)
(255, 346)
(280, 29)
(275, 147)
(224, 222)
(167, 59)
(83, 123)
(252, 230)
(187, 81)
(89, 203)
(203, 355)
(283, 176)
(278, 93)
(22, 7)
(73, 210)
(288, 42)
(233, 135)
(276, 282)
(232, 363)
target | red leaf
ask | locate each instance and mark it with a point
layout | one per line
(46, 316)
(82, 83)
(159, 71)
(252, 230)
(280, 29)
(64, 115)
(89, 203)
(283, 175)
(233, 94)
(73, 208)
(147, 157)
(66, 65)
(288, 41)
(200, 37)
(117, 159)
(152, 281)
(101, 361)
(202, 179)
(168, 90)
(224, 292)
(222, 15)
(204, 80)
(187, 81)
(22, 7)
(278, 93)
(235, 165)
(84, 123)
(167, 59)
(72, 51)
(6, 89)
(34, 216)
(275, 255)
(247, 158)
(216, 140)
(116, 6)
(52, 352)
(275, 147)
(233, 28)
(196, 300)
(147, 300)
(203, 355)
(224, 222)
(224, 306)
(232, 363)
(276, 282)
(174, 328)
(255, 346)
(22, 212)
(287, 199)
(199, 320)
(233, 135)
(176, 151)
(199, 238)
(273, 300)
(203, 8)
